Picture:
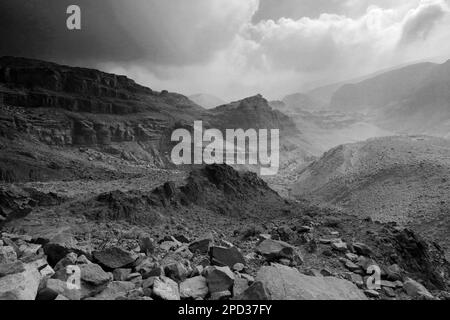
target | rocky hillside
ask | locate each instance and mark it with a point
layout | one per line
(62, 118)
(401, 179)
(146, 243)
(59, 122)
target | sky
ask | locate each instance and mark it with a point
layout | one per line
(231, 48)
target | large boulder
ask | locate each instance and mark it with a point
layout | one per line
(58, 246)
(274, 250)
(201, 246)
(284, 283)
(226, 256)
(20, 286)
(194, 288)
(114, 258)
(115, 290)
(7, 255)
(92, 279)
(416, 290)
(219, 279)
(166, 289)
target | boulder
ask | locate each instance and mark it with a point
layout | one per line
(219, 278)
(165, 288)
(284, 283)
(92, 280)
(202, 245)
(114, 258)
(274, 250)
(362, 249)
(256, 292)
(416, 290)
(7, 255)
(339, 246)
(372, 293)
(115, 290)
(11, 268)
(147, 245)
(229, 257)
(176, 271)
(194, 288)
(56, 287)
(121, 274)
(222, 295)
(240, 285)
(60, 245)
(20, 286)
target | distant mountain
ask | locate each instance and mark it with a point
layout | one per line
(252, 112)
(401, 179)
(206, 101)
(414, 99)
(301, 101)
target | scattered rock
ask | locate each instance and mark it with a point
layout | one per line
(372, 293)
(121, 274)
(11, 268)
(240, 285)
(114, 258)
(60, 245)
(238, 267)
(222, 295)
(115, 290)
(256, 292)
(194, 288)
(165, 288)
(147, 245)
(20, 286)
(416, 290)
(56, 287)
(274, 250)
(219, 279)
(226, 256)
(389, 292)
(351, 266)
(351, 256)
(176, 271)
(7, 255)
(201, 246)
(362, 249)
(339, 246)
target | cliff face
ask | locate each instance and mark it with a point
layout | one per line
(86, 107)
(45, 106)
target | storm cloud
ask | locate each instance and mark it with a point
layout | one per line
(230, 48)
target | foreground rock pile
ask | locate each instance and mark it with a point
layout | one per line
(174, 268)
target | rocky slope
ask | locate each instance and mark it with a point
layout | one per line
(59, 122)
(402, 179)
(147, 245)
(86, 191)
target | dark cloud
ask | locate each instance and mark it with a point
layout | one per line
(38, 29)
(175, 32)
